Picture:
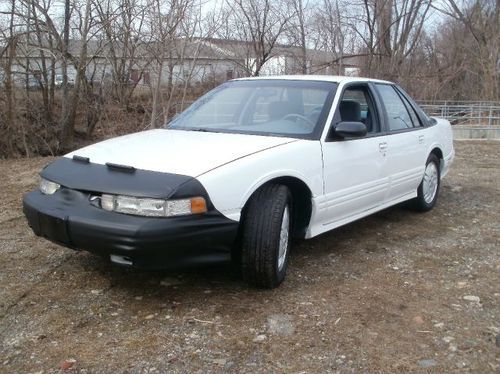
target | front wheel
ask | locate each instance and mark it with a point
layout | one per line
(428, 189)
(266, 236)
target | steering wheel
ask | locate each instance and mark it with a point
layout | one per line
(299, 116)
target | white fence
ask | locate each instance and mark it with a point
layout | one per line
(483, 113)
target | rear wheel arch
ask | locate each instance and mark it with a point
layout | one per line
(428, 190)
(439, 154)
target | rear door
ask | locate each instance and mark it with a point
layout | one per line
(406, 143)
(354, 169)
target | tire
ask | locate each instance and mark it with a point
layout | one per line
(266, 230)
(428, 190)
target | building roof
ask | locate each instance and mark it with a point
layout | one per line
(189, 49)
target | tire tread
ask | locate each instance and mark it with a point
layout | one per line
(261, 231)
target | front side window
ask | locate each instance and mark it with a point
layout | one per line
(357, 105)
(261, 107)
(397, 112)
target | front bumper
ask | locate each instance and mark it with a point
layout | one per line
(69, 218)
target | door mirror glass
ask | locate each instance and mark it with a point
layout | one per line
(349, 129)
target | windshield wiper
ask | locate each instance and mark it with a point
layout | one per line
(199, 129)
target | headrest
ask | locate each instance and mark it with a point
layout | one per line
(350, 111)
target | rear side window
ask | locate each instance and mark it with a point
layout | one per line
(423, 117)
(397, 112)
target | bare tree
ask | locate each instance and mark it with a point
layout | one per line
(67, 124)
(10, 51)
(334, 33)
(392, 28)
(122, 23)
(480, 22)
(41, 47)
(298, 31)
(260, 24)
(164, 21)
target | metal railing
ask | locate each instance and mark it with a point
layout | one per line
(482, 113)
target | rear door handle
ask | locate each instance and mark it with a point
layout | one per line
(421, 139)
(382, 146)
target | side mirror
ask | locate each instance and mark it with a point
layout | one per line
(348, 129)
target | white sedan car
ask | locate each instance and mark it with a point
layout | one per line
(249, 165)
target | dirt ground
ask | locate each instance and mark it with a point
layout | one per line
(395, 292)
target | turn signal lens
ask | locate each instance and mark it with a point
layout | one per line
(198, 205)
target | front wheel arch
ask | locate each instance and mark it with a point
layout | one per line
(301, 197)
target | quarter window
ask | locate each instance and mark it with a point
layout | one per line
(413, 114)
(397, 112)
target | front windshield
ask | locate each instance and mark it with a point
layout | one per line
(261, 107)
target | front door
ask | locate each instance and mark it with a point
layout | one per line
(355, 180)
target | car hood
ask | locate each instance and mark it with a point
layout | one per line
(189, 153)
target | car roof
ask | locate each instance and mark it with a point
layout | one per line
(321, 78)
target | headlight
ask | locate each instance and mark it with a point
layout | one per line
(47, 187)
(153, 207)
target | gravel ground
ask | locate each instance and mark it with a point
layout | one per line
(395, 292)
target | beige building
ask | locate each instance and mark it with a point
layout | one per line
(193, 61)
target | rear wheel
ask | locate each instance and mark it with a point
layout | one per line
(265, 239)
(428, 189)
